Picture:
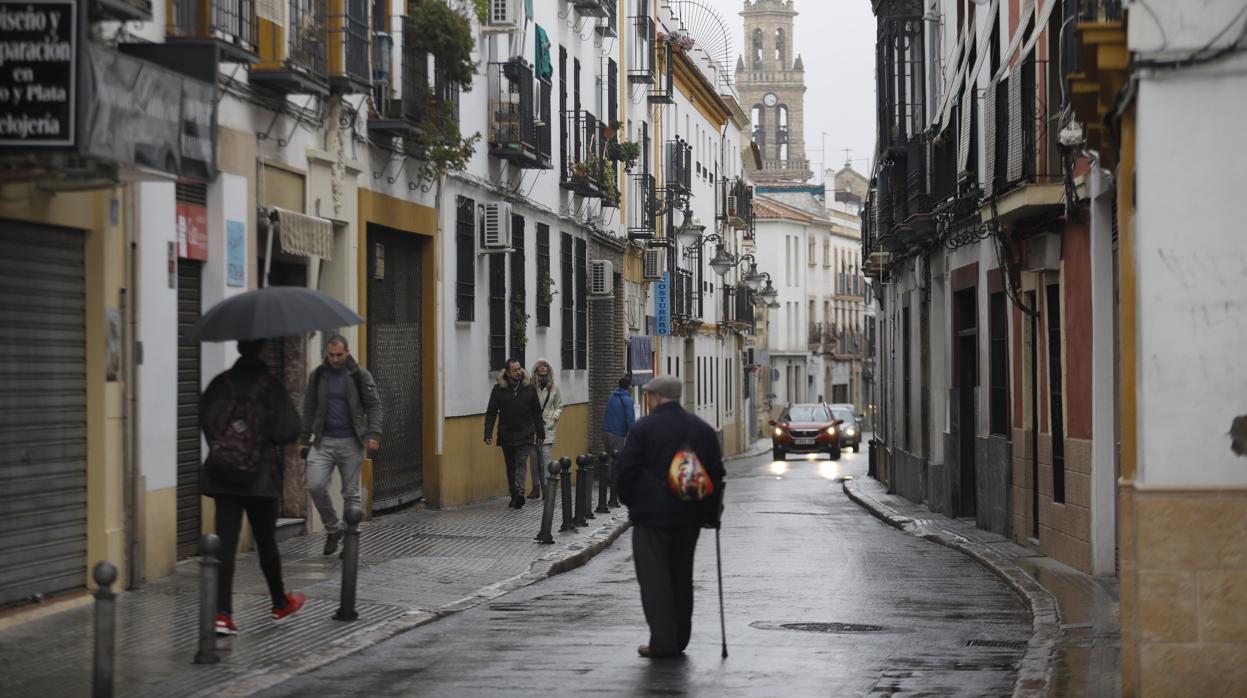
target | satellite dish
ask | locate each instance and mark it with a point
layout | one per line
(711, 33)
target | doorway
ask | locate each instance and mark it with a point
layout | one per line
(966, 360)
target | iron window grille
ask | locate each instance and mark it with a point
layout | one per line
(642, 45)
(569, 302)
(582, 304)
(593, 8)
(545, 279)
(497, 311)
(519, 115)
(519, 295)
(293, 50)
(349, 57)
(679, 167)
(465, 254)
(231, 24)
(999, 364)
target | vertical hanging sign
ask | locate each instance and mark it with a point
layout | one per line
(236, 253)
(38, 64)
(662, 305)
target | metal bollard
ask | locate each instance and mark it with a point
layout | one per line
(614, 500)
(350, 564)
(105, 630)
(547, 510)
(588, 469)
(208, 570)
(565, 485)
(603, 471)
(581, 488)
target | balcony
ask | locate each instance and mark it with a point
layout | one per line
(349, 69)
(683, 287)
(1023, 167)
(1096, 63)
(519, 115)
(662, 89)
(607, 25)
(585, 171)
(678, 169)
(292, 50)
(121, 10)
(399, 103)
(642, 205)
(744, 315)
(814, 339)
(738, 203)
(642, 53)
(229, 25)
(593, 8)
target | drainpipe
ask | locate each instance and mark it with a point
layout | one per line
(134, 483)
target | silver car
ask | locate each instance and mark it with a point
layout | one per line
(851, 430)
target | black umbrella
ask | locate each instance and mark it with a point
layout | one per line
(275, 311)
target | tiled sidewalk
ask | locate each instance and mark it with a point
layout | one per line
(415, 567)
(1076, 646)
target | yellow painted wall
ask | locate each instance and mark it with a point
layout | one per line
(473, 471)
(105, 252)
(160, 514)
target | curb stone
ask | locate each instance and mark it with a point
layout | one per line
(1035, 668)
(550, 565)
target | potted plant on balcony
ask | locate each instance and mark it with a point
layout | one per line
(610, 131)
(626, 152)
(438, 144)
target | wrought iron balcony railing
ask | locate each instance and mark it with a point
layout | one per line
(293, 49)
(738, 203)
(519, 115)
(815, 336)
(400, 102)
(683, 288)
(585, 170)
(229, 24)
(608, 24)
(678, 172)
(349, 58)
(642, 49)
(642, 206)
(662, 89)
(592, 8)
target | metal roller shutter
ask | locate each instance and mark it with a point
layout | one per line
(43, 411)
(189, 449)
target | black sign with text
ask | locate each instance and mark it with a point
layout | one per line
(38, 60)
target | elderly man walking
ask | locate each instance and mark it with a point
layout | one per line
(666, 526)
(341, 417)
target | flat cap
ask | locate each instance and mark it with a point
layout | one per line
(668, 387)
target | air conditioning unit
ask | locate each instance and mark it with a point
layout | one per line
(504, 15)
(601, 277)
(496, 228)
(655, 263)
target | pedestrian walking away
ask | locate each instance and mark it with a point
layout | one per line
(247, 417)
(341, 418)
(514, 405)
(670, 476)
(551, 399)
(620, 416)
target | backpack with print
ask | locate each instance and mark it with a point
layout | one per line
(687, 478)
(236, 445)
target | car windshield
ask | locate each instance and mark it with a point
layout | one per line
(808, 413)
(846, 415)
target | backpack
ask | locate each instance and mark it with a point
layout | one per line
(236, 446)
(687, 478)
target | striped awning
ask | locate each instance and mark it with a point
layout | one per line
(303, 235)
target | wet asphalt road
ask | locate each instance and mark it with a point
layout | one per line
(795, 550)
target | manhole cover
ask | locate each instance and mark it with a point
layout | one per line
(832, 627)
(1011, 644)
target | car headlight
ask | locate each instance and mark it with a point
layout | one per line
(850, 431)
(831, 431)
(779, 432)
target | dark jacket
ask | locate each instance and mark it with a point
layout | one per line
(281, 424)
(620, 413)
(518, 412)
(362, 400)
(646, 457)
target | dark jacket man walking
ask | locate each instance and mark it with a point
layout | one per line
(665, 528)
(246, 417)
(517, 410)
(341, 417)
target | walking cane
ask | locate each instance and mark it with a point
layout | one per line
(718, 558)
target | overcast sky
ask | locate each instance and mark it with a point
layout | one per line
(836, 39)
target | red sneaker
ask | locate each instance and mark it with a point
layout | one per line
(294, 601)
(225, 625)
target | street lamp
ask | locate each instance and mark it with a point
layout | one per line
(769, 294)
(689, 232)
(722, 262)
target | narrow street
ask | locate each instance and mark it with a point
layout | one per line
(796, 551)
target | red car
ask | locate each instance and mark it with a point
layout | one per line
(810, 428)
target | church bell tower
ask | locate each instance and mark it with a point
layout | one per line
(772, 87)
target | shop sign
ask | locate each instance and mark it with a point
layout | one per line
(38, 63)
(192, 231)
(662, 305)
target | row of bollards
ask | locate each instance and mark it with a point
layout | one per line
(578, 505)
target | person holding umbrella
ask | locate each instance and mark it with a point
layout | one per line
(247, 417)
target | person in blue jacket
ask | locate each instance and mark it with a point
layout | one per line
(620, 416)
